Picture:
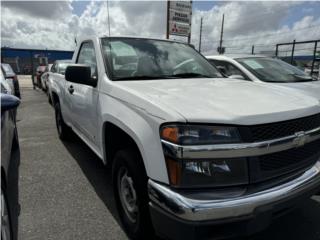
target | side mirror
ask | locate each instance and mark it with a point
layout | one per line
(236, 77)
(9, 102)
(79, 73)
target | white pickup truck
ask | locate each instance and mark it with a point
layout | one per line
(193, 155)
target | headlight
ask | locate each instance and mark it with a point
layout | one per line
(199, 134)
(203, 172)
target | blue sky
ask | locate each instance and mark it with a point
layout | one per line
(79, 7)
(298, 12)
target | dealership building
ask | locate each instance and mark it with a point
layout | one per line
(23, 61)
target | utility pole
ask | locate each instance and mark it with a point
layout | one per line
(200, 37)
(168, 12)
(189, 36)
(292, 51)
(221, 35)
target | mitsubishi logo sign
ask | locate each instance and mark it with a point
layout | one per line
(300, 139)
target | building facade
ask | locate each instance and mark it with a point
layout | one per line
(25, 61)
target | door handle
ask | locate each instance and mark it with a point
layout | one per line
(71, 89)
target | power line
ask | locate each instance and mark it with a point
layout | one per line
(251, 16)
(256, 45)
(301, 49)
(269, 34)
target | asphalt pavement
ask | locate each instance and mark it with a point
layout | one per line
(65, 191)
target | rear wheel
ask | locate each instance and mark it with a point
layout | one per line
(5, 218)
(130, 190)
(63, 130)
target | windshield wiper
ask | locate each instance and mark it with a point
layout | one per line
(190, 75)
(150, 77)
(143, 77)
(302, 78)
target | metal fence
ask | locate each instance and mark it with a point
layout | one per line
(312, 46)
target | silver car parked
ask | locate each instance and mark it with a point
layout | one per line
(266, 70)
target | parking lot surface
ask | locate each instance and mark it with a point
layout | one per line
(64, 189)
(65, 192)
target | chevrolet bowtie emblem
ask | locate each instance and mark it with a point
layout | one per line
(300, 139)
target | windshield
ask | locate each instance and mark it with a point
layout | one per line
(273, 70)
(7, 69)
(141, 59)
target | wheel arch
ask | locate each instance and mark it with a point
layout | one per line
(140, 135)
(116, 136)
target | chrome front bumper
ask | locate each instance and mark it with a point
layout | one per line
(191, 208)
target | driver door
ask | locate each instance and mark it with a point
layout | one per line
(85, 97)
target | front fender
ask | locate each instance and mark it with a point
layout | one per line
(142, 128)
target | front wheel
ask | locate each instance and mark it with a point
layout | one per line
(130, 190)
(49, 98)
(63, 130)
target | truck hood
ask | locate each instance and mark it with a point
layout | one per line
(309, 88)
(224, 101)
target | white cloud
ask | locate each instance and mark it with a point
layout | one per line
(43, 9)
(252, 23)
(52, 25)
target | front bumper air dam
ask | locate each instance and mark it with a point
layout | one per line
(179, 216)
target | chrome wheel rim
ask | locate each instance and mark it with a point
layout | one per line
(5, 222)
(128, 195)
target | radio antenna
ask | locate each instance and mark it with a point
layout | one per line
(108, 17)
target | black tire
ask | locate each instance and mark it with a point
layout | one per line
(138, 225)
(39, 83)
(33, 84)
(49, 98)
(15, 142)
(6, 228)
(64, 131)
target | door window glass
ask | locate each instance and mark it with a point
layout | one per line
(87, 56)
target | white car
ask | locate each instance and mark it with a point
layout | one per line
(6, 86)
(263, 69)
(57, 70)
(44, 78)
(189, 150)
